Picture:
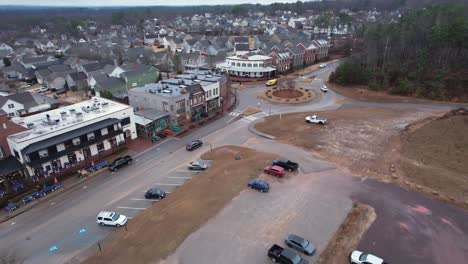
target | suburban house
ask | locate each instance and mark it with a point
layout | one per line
(77, 81)
(59, 141)
(192, 61)
(25, 103)
(297, 57)
(322, 46)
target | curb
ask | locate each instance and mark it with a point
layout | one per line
(252, 129)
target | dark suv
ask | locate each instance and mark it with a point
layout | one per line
(155, 193)
(194, 144)
(120, 162)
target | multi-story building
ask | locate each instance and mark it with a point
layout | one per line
(322, 46)
(281, 60)
(58, 140)
(249, 65)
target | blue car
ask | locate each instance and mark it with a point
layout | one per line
(2, 193)
(10, 207)
(18, 187)
(259, 185)
(28, 199)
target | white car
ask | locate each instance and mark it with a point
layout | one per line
(358, 257)
(316, 120)
(324, 88)
(198, 165)
(42, 90)
(323, 65)
(111, 219)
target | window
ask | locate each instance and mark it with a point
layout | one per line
(90, 136)
(180, 106)
(249, 65)
(76, 141)
(1, 152)
(243, 64)
(165, 106)
(11, 114)
(100, 146)
(11, 106)
(238, 64)
(68, 144)
(125, 121)
(172, 107)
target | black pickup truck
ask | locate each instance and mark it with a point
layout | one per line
(285, 256)
(286, 164)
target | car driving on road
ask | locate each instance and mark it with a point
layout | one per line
(300, 244)
(155, 193)
(111, 219)
(271, 82)
(323, 65)
(324, 88)
(197, 165)
(120, 162)
(316, 120)
(274, 170)
(358, 257)
(259, 185)
(194, 144)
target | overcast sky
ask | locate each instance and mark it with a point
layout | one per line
(132, 2)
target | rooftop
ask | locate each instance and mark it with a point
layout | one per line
(65, 117)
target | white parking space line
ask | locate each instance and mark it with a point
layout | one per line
(170, 184)
(175, 177)
(133, 208)
(129, 217)
(139, 199)
(184, 171)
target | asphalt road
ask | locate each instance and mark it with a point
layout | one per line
(59, 221)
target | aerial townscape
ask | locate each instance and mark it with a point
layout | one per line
(234, 132)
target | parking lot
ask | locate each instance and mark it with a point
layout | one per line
(136, 202)
(245, 229)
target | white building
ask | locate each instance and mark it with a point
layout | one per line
(61, 139)
(249, 65)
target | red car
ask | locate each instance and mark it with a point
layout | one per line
(274, 170)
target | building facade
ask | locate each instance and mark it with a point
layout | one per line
(61, 139)
(249, 66)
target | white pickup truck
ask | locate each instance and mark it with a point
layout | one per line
(316, 120)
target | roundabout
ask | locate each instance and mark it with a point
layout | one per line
(289, 94)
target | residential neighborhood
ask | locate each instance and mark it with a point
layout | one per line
(270, 132)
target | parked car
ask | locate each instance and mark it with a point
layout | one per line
(155, 193)
(285, 256)
(17, 187)
(198, 165)
(316, 120)
(2, 193)
(111, 219)
(28, 198)
(271, 82)
(10, 207)
(323, 65)
(274, 170)
(300, 244)
(324, 88)
(194, 144)
(259, 185)
(42, 90)
(51, 188)
(358, 257)
(120, 162)
(286, 164)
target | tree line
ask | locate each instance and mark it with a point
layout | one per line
(424, 54)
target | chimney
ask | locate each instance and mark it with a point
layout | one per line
(63, 114)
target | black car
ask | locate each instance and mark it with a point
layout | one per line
(155, 193)
(286, 164)
(194, 144)
(120, 162)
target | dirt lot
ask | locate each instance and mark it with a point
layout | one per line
(429, 156)
(363, 93)
(347, 237)
(185, 210)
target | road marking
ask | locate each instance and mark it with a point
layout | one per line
(174, 177)
(84, 187)
(234, 113)
(133, 208)
(13, 223)
(52, 203)
(139, 199)
(129, 217)
(251, 117)
(184, 171)
(170, 184)
(156, 146)
(245, 120)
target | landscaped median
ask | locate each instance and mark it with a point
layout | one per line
(159, 230)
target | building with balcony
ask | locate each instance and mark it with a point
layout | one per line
(58, 140)
(249, 65)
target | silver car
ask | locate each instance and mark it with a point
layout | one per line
(300, 244)
(198, 165)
